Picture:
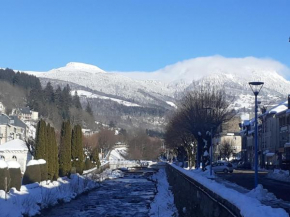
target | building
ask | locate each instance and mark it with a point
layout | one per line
(16, 150)
(11, 128)
(25, 114)
(2, 108)
(228, 132)
(273, 137)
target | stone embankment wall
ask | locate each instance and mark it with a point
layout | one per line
(192, 199)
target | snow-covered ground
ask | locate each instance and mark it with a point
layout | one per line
(248, 203)
(34, 197)
(280, 175)
(163, 203)
(83, 93)
(118, 153)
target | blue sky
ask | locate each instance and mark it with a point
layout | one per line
(141, 35)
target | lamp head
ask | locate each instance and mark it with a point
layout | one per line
(256, 86)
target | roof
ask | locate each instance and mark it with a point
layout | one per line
(17, 122)
(14, 145)
(25, 110)
(4, 119)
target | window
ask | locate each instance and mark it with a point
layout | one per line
(14, 158)
(2, 157)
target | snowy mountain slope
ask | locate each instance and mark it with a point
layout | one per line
(144, 92)
(156, 89)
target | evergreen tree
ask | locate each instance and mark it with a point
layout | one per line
(65, 150)
(76, 101)
(50, 153)
(40, 140)
(54, 154)
(77, 154)
(89, 109)
(49, 93)
(95, 157)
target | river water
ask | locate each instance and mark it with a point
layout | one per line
(124, 197)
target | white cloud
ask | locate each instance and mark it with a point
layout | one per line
(196, 68)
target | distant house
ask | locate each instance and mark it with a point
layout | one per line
(2, 108)
(230, 132)
(25, 114)
(11, 128)
(16, 150)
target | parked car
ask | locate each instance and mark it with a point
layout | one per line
(235, 163)
(222, 167)
(244, 165)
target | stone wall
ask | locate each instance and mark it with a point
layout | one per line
(192, 199)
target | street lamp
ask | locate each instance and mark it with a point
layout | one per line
(256, 86)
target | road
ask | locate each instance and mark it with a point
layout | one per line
(245, 178)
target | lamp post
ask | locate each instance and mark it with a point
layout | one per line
(256, 86)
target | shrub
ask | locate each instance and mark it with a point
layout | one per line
(32, 173)
(43, 169)
(15, 174)
(4, 176)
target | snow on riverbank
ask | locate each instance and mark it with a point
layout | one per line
(34, 197)
(248, 204)
(163, 203)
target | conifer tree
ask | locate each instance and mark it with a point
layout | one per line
(54, 154)
(76, 101)
(50, 153)
(40, 141)
(95, 157)
(77, 154)
(65, 150)
(89, 109)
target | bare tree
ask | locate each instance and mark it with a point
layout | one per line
(200, 111)
(226, 149)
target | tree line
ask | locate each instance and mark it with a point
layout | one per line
(200, 113)
(67, 157)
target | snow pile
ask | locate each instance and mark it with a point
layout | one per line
(42, 161)
(163, 203)
(248, 205)
(32, 162)
(261, 194)
(3, 164)
(116, 174)
(13, 164)
(34, 197)
(281, 175)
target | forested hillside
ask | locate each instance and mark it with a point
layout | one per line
(55, 105)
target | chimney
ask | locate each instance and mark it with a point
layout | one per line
(288, 101)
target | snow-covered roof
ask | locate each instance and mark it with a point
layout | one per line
(279, 108)
(15, 144)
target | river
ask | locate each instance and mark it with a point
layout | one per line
(124, 197)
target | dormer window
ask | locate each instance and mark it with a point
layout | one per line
(2, 157)
(14, 158)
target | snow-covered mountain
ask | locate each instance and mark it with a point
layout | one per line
(160, 89)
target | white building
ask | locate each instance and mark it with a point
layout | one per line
(2, 108)
(16, 150)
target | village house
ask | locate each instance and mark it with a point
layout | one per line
(25, 114)
(273, 137)
(11, 128)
